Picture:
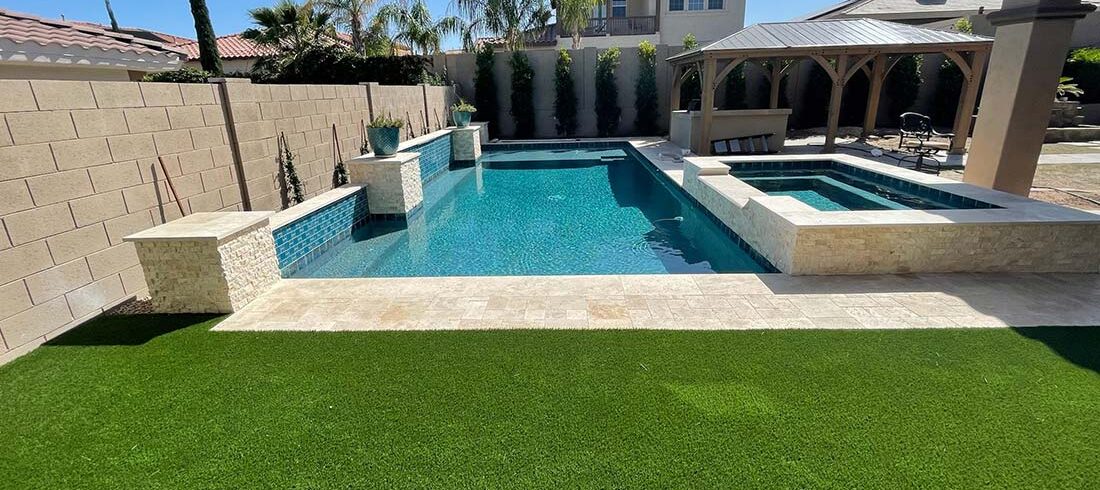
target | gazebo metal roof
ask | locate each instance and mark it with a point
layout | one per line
(844, 35)
(842, 47)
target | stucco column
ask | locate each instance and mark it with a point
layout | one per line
(1028, 53)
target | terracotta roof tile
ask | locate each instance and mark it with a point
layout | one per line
(233, 46)
(24, 28)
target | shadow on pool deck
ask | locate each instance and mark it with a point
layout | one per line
(126, 330)
(1077, 345)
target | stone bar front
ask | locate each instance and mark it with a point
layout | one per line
(208, 262)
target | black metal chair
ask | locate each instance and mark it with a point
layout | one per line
(920, 138)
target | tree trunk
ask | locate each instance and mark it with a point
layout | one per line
(208, 43)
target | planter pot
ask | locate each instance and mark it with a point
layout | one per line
(462, 118)
(384, 141)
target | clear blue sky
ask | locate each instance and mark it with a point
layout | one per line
(229, 16)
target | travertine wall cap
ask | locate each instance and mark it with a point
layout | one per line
(396, 159)
(203, 226)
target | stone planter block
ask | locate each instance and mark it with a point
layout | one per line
(393, 183)
(208, 262)
(466, 145)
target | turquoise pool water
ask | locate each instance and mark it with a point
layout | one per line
(543, 213)
(835, 186)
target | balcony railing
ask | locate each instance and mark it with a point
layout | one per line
(617, 26)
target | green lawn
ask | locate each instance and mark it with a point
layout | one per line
(148, 402)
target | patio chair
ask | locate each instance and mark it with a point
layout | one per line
(756, 144)
(919, 137)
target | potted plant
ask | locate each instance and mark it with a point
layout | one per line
(462, 112)
(384, 134)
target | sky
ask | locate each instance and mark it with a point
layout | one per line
(231, 16)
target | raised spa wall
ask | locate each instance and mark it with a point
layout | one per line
(1022, 235)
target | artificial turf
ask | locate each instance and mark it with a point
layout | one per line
(159, 402)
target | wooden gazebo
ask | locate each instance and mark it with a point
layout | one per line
(842, 48)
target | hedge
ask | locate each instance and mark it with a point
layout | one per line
(1083, 65)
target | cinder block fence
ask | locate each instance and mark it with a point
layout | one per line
(80, 168)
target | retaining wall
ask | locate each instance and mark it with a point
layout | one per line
(79, 170)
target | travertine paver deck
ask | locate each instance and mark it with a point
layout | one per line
(728, 301)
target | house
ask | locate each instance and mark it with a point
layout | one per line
(33, 47)
(944, 13)
(625, 23)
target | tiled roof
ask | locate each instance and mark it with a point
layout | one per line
(161, 37)
(233, 46)
(21, 28)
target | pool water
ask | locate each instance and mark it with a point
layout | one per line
(831, 186)
(575, 212)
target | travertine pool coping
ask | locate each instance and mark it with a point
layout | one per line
(203, 226)
(687, 302)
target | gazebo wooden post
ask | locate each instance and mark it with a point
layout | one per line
(874, 95)
(776, 78)
(835, 98)
(972, 82)
(709, 71)
(677, 83)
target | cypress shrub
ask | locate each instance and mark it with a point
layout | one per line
(1083, 66)
(736, 93)
(903, 85)
(485, 90)
(645, 91)
(691, 89)
(523, 96)
(607, 93)
(204, 31)
(565, 97)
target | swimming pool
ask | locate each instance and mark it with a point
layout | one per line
(532, 211)
(835, 186)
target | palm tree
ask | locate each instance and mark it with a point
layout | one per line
(289, 26)
(573, 17)
(511, 20)
(208, 44)
(349, 14)
(415, 27)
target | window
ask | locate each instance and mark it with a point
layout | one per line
(675, 5)
(714, 4)
(695, 4)
(618, 8)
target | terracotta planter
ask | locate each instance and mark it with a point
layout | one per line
(384, 141)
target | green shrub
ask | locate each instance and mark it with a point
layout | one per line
(736, 93)
(903, 85)
(523, 95)
(292, 185)
(608, 111)
(815, 100)
(645, 91)
(333, 64)
(485, 90)
(183, 75)
(1083, 65)
(565, 96)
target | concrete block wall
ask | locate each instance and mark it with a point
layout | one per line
(79, 170)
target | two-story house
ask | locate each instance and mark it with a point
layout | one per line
(625, 23)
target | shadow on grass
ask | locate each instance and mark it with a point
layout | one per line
(127, 329)
(1077, 345)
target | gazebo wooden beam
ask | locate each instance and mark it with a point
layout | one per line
(726, 71)
(710, 66)
(877, 75)
(839, 76)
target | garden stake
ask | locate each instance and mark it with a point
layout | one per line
(171, 188)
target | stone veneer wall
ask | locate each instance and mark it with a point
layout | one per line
(78, 171)
(204, 276)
